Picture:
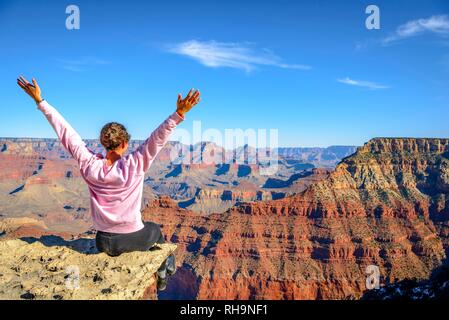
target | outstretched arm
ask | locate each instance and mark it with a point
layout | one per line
(69, 138)
(147, 152)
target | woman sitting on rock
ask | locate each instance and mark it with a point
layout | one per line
(116, 181)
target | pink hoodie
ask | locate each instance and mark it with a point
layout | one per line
(115, 191)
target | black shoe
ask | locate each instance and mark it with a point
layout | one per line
(171, 265)
(161, 283)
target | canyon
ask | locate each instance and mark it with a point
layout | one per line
(38, 179)
(387, 206)
(307, 233)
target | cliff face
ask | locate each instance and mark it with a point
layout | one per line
(36, 271)
(387, 205)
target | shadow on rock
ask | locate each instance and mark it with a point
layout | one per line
(82, 245)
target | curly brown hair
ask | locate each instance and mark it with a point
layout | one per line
(113, 134)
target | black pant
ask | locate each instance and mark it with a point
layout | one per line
(115, 244)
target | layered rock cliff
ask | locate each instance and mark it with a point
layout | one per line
(386, 206)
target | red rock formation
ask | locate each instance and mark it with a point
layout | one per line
(386, 206)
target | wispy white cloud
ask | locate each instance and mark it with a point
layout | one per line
(232, 55)
(438, 24)
(360, 83)
(78, 65)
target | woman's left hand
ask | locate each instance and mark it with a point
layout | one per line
(184, 105)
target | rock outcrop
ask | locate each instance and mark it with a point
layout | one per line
(37, 271)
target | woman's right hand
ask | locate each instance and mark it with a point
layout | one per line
(184, 105)
(32, 90)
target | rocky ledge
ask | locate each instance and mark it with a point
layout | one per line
(36, 271)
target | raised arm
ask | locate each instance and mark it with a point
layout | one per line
(69, 138)
(145, 154)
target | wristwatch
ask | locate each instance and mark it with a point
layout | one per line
(40, 101)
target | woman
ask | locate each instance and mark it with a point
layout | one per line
(116, 181)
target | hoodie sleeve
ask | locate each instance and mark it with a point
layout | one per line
(145, 154)
(69, 138)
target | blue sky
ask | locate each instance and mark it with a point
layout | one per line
(309, 69)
